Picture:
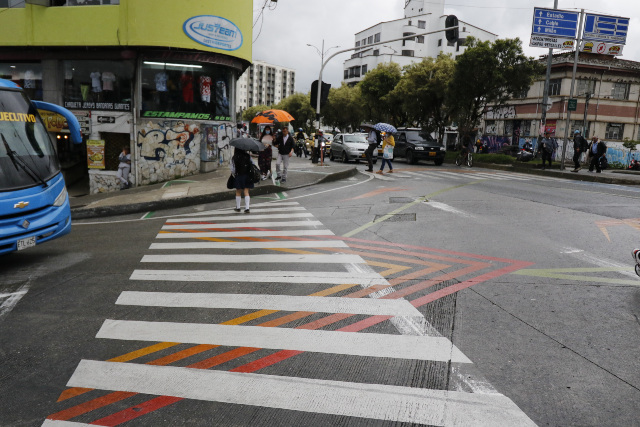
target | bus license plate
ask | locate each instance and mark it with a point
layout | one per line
(26, 243)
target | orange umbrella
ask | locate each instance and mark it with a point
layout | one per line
(272, 116)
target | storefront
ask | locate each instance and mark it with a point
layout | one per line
(153, 75)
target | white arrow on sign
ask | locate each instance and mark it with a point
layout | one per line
(540, 14)
(539, 29)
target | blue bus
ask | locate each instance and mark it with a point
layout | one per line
(34, 204)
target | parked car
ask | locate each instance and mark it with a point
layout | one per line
(414, 144)
(350, 147)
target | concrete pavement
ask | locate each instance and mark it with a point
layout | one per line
(211, 187)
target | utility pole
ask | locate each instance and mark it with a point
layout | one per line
(545, 96)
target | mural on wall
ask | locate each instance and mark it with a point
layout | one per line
(494, 144)
(168, 150)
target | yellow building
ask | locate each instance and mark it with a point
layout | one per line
(156, 75)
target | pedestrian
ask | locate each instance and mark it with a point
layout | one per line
(546, 148)
(596, 151)
(580, 145)
(373, 138)
(284, 144)
(318, 145)
(265, 156)
(124, 167)
(241, 171)
(387, 152)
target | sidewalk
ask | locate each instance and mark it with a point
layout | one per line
(198, 189)
(212, 187)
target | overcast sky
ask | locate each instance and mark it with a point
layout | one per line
(281, 35)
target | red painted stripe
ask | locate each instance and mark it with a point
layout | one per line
(266, 361)
(137, 411)
(91, 405)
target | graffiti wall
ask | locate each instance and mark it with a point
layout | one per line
(495, 143)
(168, 150)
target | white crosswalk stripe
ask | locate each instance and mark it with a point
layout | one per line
(305, 268)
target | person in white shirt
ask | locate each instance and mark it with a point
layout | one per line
(124, 167)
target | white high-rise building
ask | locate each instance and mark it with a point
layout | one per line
(420, 16)
(264, 83)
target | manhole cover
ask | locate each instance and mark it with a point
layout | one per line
(400, 200)
(397, 217)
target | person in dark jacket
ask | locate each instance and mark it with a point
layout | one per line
(546, 148)
(580, 145)
(284, 143)
(241, 170)
(597, 149)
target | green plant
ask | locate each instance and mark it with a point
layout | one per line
(498, 159)
(630, 144)
(617, 165)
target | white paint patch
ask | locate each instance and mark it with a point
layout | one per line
(255, 259)
(397, 307)
(293, 244)
(448, 208)
(571, 251)
(58, 423)
(370, 401)
(242, 217)
(245, 225)
(626, 269)
(230, 234)
(250, 277)
(317, 341)
(12, 299)
(175, 192)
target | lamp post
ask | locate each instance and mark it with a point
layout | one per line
(321, 52)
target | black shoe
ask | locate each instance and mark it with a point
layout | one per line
(368, 170)
(236, 209)
(247, 211)
(283, 180)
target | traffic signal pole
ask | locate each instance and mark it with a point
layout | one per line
(359, 47)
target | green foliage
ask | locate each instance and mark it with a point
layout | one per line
(630, 144)
(489, 74)
(617, 165)
(299, 106)
(497, 159)
(376, 88)
(345, 108)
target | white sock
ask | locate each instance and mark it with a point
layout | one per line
(246, 201)
(238, 201)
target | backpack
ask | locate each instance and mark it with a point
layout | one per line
(604, 163)
(254, 173)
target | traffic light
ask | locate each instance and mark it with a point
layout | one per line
(324, 94)
(452, 34)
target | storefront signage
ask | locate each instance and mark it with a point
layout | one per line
(95, 154)
(104, 106)
(551, 42)
(214, 32)
(176, 115)
(601, 48)
(84, 118)
(52, 121)
(106, 119)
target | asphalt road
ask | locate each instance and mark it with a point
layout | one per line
(469, 297)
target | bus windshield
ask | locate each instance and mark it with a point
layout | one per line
(27, 156)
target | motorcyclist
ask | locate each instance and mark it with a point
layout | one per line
(300, 145)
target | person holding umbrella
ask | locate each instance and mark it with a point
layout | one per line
(242, 167)
(387, 152)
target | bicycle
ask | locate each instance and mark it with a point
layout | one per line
(460, 158)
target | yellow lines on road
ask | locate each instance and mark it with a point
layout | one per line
(602, 225)
(573, 274)
(407, 206)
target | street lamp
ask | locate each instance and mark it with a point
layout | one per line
(322, 52)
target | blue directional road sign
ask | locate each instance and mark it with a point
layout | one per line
(555, 23)
(608, 29)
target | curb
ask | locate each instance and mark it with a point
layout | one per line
(104, 211)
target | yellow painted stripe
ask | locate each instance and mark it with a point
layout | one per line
(143, 352)
(249, 317)
(333, 290)
(390, 268)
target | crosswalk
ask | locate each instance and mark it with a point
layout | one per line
(460, 175)
(287, 267)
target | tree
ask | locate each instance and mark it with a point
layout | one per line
(422, 93)
(488, 74)
(299, 106)
(344, 108)
(376, 87)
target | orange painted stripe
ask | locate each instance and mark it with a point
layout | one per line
(73, 392)
(91, 405)
(223, 358)
(182, 354)
(249, 317)
(143, 352)
(287, 319)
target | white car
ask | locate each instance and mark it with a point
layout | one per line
(351, 146)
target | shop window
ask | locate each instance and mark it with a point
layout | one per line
(614, 131)
(186, 90)
(620, 91)
(98, 85)
(27, 75)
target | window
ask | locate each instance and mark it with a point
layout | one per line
(586, 86)
(346, 74)
(198, 91)
(554, 86)
(358, 44)
(620, 91)
(439, 42)
(526, 128)
(578, 125)
(407, 53)
(376, 52)
(376, 38)
(407, 40)
(490, 127)
(521, 95)
(364, 42)
(27, 75)
(364, 69)
(370, 39)
(614, 131)
(508, 127)
(11, 3)
(420, 39)
(98, 85)
(422, 24)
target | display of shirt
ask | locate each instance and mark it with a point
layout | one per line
(205, 85)
(108, 79)
(187, 87)
(161, 82)
(96, 84)
(29, 80)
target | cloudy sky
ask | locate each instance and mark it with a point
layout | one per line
(282, 33)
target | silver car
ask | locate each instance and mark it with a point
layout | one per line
(350, 146)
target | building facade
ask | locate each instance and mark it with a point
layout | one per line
(421, 16)
(154, 75)
(607, 90)
(264, 84)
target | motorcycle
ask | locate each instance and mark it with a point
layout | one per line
(300, 148)
(524, 155)
(636, 256)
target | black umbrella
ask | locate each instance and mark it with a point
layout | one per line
(247, 144)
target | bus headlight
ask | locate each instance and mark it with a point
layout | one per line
(62, 197)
